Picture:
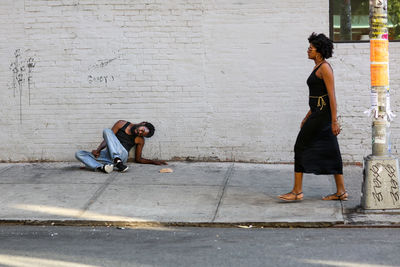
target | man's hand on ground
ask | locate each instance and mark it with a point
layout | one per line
(96, 153)
(160, 162)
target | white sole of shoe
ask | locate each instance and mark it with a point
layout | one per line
(125, 169)
(108, 168)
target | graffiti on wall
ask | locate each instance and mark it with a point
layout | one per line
(102, 63)
(98, 71)
(21, 77)
(105, 79)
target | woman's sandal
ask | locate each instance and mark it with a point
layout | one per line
(296, 197)
(343, 196)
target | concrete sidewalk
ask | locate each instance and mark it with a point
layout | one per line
(212, 194)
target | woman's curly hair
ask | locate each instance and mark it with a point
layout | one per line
(323, 44)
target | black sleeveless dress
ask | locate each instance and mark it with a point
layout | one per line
(317, 149)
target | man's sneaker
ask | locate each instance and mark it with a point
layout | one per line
(107, 168)
(120, 166)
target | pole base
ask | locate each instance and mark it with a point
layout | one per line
(380, 188)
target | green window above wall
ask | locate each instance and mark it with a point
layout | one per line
(349, 20)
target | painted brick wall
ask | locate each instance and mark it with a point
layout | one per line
(222, 80)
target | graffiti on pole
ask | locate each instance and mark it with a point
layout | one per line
(379, 57)
(380, 188)
(394, 185)
(379, 27)
(377, 183)
(379, 4)
(384, 183)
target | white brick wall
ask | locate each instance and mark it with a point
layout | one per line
(219, 79)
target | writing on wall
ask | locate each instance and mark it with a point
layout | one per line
(22, 70)
(102, 77)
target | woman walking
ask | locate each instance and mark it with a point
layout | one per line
(317, 149)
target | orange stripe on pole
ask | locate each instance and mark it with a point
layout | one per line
(379, 51)
(379, 75)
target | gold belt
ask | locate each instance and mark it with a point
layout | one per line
(321, 102)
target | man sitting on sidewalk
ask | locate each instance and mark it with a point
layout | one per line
(117, 142)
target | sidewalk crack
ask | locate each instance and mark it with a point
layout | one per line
(5, 169)
(97, 194)
(221, 192)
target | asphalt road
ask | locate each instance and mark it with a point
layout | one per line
(102, 246)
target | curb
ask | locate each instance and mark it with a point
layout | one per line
(244, 225)
(149, 224)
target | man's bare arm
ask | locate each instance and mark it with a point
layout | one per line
(138, 154)
(118, 125)
(97, 151)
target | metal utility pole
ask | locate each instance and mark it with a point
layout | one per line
(345, 21)
(380, 188)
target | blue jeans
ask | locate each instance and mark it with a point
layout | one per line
(113, 150)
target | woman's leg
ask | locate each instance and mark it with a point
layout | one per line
(341, 193)
(298, 183)
(339, 184)
(297, 191)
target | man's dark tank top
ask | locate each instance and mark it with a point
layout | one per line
(126, 140)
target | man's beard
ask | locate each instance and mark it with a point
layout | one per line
(133, 132)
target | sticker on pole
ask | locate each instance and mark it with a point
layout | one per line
(379, 50)
(379, 75)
